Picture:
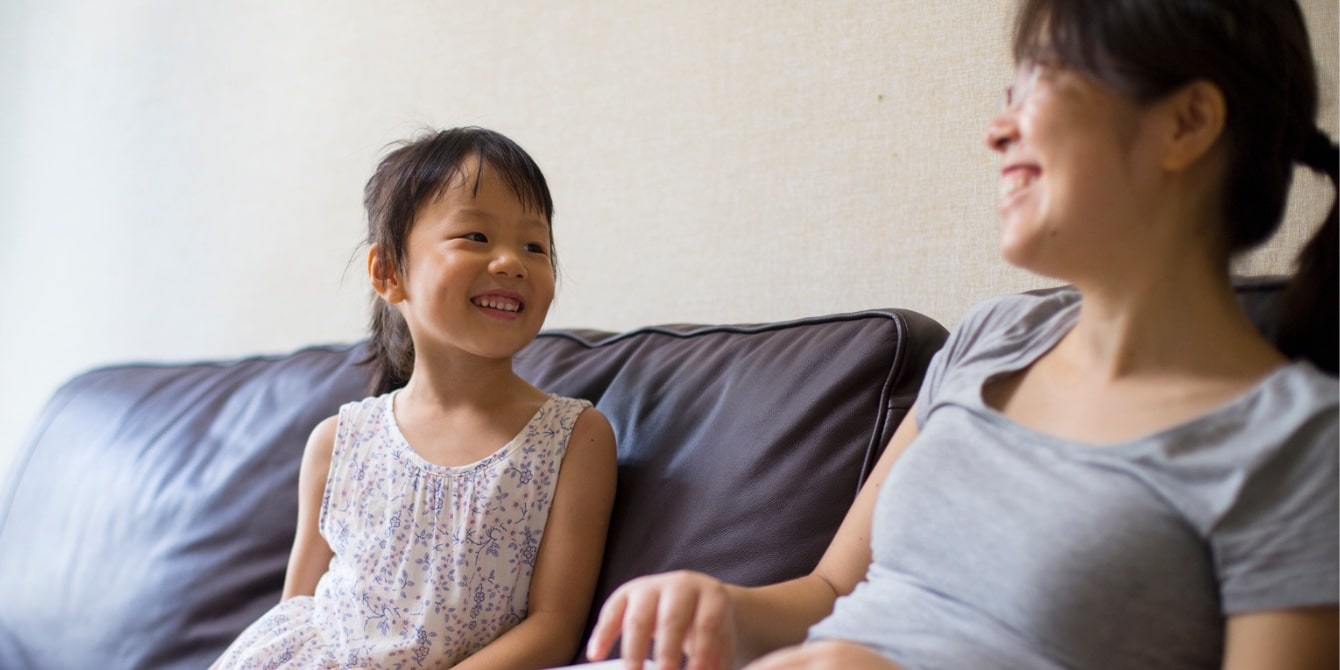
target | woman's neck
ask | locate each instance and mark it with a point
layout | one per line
(1181, 317)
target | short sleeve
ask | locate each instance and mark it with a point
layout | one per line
(1279, 545)
(1000, 328)
(960, 340)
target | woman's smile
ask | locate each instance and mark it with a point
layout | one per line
(1014, 179)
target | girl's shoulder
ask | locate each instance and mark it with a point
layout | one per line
(560, 414)
(365, 404)
(356, 416)
(570, 405)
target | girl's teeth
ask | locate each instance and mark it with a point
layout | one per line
(505, 306)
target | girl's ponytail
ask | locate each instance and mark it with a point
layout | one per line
(391, 350)
(1308, 321)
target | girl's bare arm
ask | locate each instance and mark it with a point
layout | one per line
(310, 557)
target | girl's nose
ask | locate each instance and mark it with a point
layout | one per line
(1001, 131)
(508, 264)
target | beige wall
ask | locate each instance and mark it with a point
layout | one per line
(182, 180)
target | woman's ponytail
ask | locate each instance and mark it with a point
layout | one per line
(1308, 321)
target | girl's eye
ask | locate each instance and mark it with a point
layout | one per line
(536, 248)
(475, 237)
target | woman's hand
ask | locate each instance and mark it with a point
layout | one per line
(825, 655)
(688, 614)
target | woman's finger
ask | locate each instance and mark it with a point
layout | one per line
(711, 641)
(673, 619)
(608, 625)
(639, 620)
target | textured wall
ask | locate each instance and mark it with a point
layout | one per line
(182, 180)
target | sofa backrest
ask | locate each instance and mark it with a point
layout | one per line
(740, 448)
(151, 512)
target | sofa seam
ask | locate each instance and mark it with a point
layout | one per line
(894, 372)
(610, 338)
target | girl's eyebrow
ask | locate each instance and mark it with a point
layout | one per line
(529, 220)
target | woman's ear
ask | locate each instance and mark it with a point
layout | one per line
(385, 281)
(1198, 114)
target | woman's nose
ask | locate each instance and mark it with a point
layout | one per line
(1001, 131)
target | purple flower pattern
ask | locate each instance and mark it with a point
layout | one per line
(431, 562)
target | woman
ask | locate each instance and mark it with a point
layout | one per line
(1122, 475)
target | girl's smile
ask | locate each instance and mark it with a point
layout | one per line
(500, 304)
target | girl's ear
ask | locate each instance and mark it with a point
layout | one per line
(385, 281)
(1198, 114)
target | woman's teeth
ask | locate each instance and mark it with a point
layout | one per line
(1015, 182)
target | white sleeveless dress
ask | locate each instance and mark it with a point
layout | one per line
(431, 562)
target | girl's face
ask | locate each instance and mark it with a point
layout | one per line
(1074, 172)
(478, 275)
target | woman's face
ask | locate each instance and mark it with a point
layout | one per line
(1076, 170)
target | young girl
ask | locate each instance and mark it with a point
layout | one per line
(457, 518)
(1125, 474)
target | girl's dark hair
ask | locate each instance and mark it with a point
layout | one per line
(1258, 54)
(413, 174)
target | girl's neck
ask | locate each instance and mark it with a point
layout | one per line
(461, 382)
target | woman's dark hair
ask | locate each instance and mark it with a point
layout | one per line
(415, 173)
(1258, 54)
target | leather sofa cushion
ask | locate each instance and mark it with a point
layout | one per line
(149, 517)
(740, 448)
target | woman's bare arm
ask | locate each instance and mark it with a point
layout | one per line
(1299, 639)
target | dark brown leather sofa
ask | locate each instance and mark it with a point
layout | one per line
(149, 515)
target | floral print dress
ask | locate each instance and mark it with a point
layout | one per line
(431, 562)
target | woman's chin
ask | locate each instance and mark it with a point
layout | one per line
(1025, 253)
(1013, 247)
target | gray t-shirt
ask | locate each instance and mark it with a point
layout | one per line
(995, 546)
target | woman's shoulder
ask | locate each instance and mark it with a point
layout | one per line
(1302, 391)
(1021, 312)
(1014, 324)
